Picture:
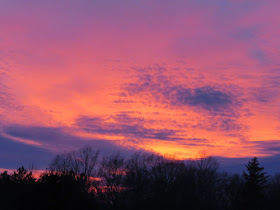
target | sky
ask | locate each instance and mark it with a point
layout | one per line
(184, 78)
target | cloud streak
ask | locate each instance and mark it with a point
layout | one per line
(176, 77)
(127, 126)
(161, 89)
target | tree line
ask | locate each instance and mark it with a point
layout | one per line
(83, 179)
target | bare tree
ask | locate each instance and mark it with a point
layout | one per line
(81, 162)
(85, 160)
(112, 173)
(206, 182)
(62, 163)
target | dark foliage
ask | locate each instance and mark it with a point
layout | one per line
(79, 180)
(254, 191)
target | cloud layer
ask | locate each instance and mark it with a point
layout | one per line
(177, 77)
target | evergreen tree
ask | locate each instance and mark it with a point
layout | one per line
(256, 179)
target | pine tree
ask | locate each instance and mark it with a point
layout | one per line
(255, 178)
(255, 185)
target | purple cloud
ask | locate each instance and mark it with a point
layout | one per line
(14, 154)
(161, 89)
(57, 140)
(125, 125)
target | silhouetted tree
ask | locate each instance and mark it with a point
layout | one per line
(137, 180)
(273, 192)
(256, 179)
(85, 160)
(17, 189)
(6, 190)
(206, 178)
(164, 178)
(5, 178)
(144, 181)
(62, 163)
(82, 161)
(228, 190)
(64, 191)
(111, 172)
(22, 175)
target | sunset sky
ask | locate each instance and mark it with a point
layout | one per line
(176, 77)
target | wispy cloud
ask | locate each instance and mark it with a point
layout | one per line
(162, 89)
(52, 140)
(14, 154)
(126, 126)
(218, 105)
(177, 77)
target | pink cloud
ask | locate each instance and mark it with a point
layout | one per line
(209, 68)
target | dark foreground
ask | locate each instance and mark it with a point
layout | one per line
(140, 182)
